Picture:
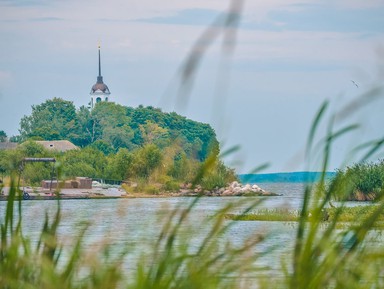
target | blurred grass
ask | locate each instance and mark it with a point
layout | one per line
(171, 263)
(350, 215)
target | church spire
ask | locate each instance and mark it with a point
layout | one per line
(100, 90)
(99, 78)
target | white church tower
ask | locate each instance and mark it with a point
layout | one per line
(100, 91)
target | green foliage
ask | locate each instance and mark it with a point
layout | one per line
(274, 215)
(355, 214)
(25, 264)
(86, 128)
(330, 257)
(109, 127)
(217, 176)
(173, 262)
(323, 256)
(170, 263)
(103, 146)
(3, 164)
(51, 120)
(346, 216)
(171, 185)
(166, 168)
(112, 124)
(151, 189)
(33, 173)
(32, 149)
(88, 162)
(119, 165)
(197, 139)
(152, 133)
(181, 167)
(146, 132)
(146, 160)
(364, 181)
(3, 136)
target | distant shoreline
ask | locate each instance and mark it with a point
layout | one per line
(286, 177)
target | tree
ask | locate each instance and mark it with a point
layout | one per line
(85, 129)
(110, 127)
(32, 149)
(87, 162)
(111, 124)
(180, 167)
(102, 146)
(120, 165)
(32, 173)
(54, 119)
(152, 133)
(3, 164)
(146, 160)
(3, 136)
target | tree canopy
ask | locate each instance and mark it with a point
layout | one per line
(3, 136)
(54, 119)
(110, 127)
(143, 145)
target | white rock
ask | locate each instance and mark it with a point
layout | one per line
(235, 185)
(227, 193)
(247, 187)
(236, 190)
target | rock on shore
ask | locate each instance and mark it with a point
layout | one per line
(233, 189)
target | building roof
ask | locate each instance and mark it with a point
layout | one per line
(100, 87)
(8, 145)
(59, 145)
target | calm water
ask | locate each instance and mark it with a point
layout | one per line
(137, 222)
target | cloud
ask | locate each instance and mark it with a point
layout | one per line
(320, 17)
(23, 3)
(46, 19)
(186, 17)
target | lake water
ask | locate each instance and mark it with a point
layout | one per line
(137, 222)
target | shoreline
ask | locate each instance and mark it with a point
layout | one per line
(234, 189)
(130, 196)
(102, 194)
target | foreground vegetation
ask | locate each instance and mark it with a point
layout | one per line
(172, 261)
(329, 214)
(364, 182)
(321, 257)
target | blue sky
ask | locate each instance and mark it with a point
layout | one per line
(289, 57)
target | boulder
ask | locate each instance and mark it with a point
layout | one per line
(236, 190)
(227, 193)
(247, 187)
(234, 185)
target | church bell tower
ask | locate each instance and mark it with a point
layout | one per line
(100, 91)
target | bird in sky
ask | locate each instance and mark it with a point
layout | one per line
(355, 83)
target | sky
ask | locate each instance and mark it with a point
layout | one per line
(260, 88)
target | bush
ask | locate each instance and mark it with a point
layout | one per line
(361, 182)
(217, 175)
(171, 185)
(151, 190)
